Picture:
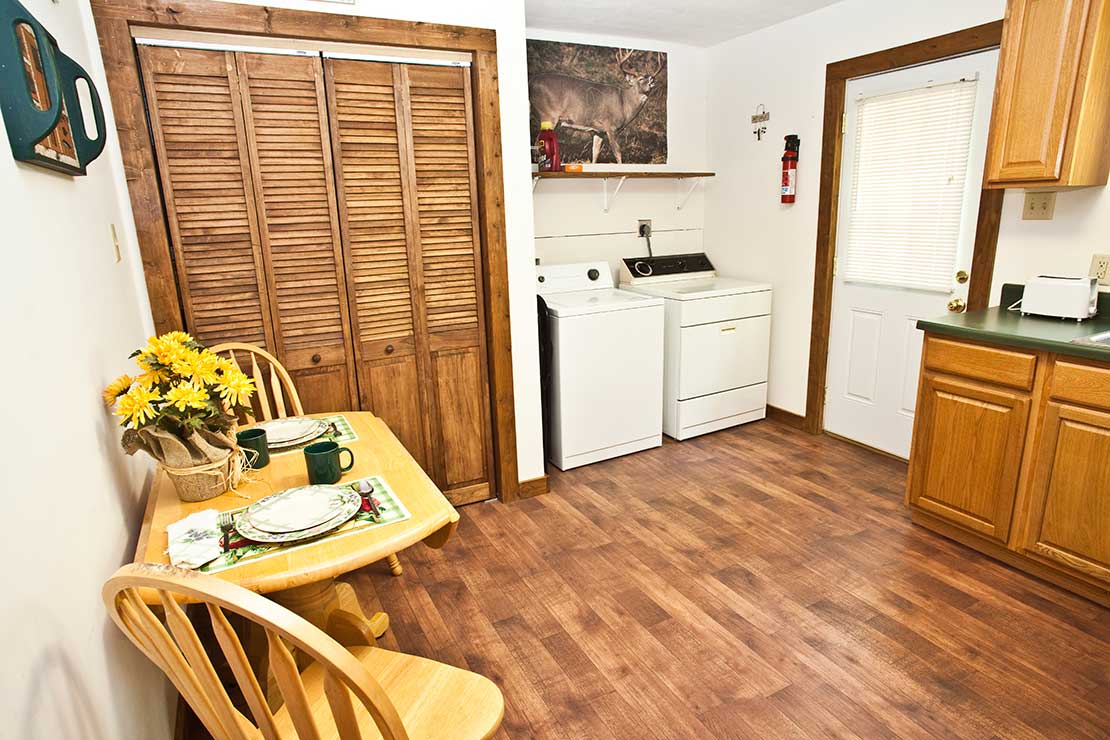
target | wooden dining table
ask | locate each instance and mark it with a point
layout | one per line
(304, 578)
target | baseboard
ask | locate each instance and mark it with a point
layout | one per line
(533, 487)
(789, 418)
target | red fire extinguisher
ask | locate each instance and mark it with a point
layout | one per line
(790, 168)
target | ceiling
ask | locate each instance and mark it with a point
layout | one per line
(697, 22)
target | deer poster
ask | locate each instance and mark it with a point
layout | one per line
(607, 104)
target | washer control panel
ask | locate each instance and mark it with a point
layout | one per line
(665, 267)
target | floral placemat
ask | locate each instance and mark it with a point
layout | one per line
(344, 433)
(242, 550)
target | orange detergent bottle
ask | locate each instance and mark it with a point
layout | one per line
(548, 146)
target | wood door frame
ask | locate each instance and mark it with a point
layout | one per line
(837, 74)
(114, 22)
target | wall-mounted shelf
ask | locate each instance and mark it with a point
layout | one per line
(620, 176)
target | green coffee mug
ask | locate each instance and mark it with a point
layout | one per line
(255, 441)
(322, 461)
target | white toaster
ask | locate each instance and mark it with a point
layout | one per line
(1061, 297)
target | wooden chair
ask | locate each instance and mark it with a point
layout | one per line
(280, 388)
(395, 696)
(280, 382)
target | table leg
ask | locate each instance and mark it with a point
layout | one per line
(317, 602)
(394, 565)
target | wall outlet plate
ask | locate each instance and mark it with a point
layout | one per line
(1039, 206)
(1100, 268)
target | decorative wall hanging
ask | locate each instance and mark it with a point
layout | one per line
(607, 104)
(39, 99)
(759, 121)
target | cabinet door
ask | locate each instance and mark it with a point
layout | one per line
(437, 104)
(1038, 73)
(196, 122)
(967, 453)
(1070, 515)
(286, 122)
(382, 270)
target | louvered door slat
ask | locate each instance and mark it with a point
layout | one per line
(286, 119)
(383, 280)
(199, 140)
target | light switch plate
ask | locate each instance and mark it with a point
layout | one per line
(1100, 268)
(1039, 206)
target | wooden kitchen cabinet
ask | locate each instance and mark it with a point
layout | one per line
(1069, 522)
(1052, 97)
(1011, 456)
(968, 445)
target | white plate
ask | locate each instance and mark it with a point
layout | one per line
(298, 509)
(293, 430)
(243, 526)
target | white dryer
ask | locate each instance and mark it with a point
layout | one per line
(602, 359)
(718, 335)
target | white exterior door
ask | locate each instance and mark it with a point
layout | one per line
(911, 174)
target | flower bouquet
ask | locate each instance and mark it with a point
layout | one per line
(181, 410)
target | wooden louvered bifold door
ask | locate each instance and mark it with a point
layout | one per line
(443, 199)
(196, 122)
(381, 275)
(285, 113)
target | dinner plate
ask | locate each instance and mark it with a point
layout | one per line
(292, 431)
(300, 508)
(244, 527)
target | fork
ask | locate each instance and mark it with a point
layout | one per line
(226, 522)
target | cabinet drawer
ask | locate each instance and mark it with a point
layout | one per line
(1084, 384)
(989, 364)
(725, 307)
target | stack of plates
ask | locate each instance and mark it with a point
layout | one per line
(293, 431)
(298, 513)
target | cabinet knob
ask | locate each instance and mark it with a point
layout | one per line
(316, 359)
(389, 349)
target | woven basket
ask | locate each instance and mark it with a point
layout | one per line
(202, 482)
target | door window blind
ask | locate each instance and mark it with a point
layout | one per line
(909, 170)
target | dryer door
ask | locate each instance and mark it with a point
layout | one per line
(722, 356)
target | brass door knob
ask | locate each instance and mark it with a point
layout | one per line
(957, 305)
(962, 277)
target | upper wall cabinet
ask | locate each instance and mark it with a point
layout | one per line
(1052, 100)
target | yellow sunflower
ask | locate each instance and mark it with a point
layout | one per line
(187, 395)
(200, 367)
(163, 351)
(235, 388)
(176, 336)
(137, 405)
(116, 389)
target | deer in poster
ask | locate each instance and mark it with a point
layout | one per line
(597, 107)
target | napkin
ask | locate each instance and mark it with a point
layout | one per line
(195, 540)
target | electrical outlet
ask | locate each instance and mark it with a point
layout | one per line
(1039, 206)
(641, 224)
(1100, 268)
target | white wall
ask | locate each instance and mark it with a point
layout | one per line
(71, 502)
(1062, 246)
(748, 232)
(569, 221)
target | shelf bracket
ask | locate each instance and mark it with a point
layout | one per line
(607, 199)
(689, 191)
(535, 182)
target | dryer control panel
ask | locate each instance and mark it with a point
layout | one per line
(640, 270)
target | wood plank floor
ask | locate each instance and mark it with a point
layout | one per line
(754, 583)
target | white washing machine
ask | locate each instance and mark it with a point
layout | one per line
(602, 359)
(718, 336)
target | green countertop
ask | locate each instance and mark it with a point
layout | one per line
(999, 326)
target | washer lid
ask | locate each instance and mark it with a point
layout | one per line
(689, 290)
(604, 300)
